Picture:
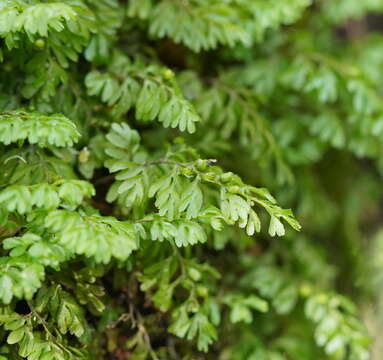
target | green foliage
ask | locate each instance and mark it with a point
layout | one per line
(336, 325)
(141, 142)
(39, 129)
(203, 25)
(151, 89)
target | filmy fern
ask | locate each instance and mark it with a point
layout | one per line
(151, 151)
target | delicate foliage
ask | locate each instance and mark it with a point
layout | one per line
(336, 326)
(39, 129)
(134, 84)
(141, 142)
(93, 236)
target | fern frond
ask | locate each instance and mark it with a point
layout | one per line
(43, 130)
(23, 198)
(97, 237)
(151, 90)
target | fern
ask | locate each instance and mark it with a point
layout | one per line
(53, 130)
(153, 96)
(151, 153)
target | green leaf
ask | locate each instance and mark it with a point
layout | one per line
(191, 200)
(15, 336)
(276, 227)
